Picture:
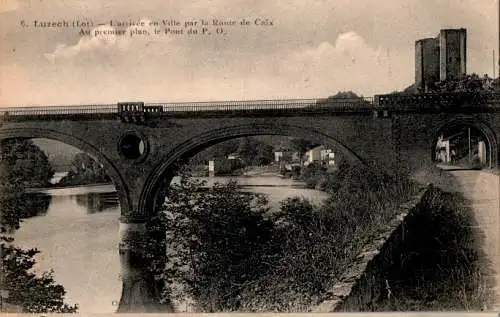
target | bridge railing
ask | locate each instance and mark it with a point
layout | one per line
(284, 104)
(337, 104)
(400, 101)
(59, 110)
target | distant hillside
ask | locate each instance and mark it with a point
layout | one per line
(60, 154)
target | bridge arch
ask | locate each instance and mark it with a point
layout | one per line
(200, 142)
(110, 168)
(474, 123)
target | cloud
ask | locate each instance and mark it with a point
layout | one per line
(106, 39)
(348, 64)
(9, 5)
(175, 72)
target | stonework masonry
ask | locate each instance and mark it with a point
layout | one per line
(441, 58)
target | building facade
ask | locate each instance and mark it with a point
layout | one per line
(320, 155)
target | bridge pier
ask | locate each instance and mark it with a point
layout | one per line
(140, 293)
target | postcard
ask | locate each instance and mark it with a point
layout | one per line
(250, 157)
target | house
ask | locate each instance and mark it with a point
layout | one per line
(320, 154)
(285, 155)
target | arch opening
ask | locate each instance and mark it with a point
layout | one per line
(154, 189)
(465, 144)
(83, 146)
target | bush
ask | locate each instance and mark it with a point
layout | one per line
(318, 243)
(216, 242)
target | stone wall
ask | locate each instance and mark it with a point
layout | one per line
(432, 260)
(355, 275)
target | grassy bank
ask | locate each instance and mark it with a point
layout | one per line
(433, 262)
(319, 243)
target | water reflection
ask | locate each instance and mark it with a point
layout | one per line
(97, 202)
(34, 205)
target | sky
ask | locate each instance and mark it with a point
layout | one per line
(311, 50)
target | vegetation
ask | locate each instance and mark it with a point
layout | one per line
(247, 151)
(84, 170)
(24, 163)
(340, 96)
(231, 253)
(228, 167)
(25, 290)
(469, 83)
(451, 275)
(316, 175)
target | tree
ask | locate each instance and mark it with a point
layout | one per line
(24, 163)
(345, 94)
(342, 97)
(264, 156)
(215, 242)
(85, 170)
(246, 150)
(33, 293)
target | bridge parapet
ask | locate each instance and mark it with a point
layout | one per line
(135, 111)
(59, 110)
(452, 101)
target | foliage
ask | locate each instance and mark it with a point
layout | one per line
(341, 97)
(24, 163)
(264, 156)
(313, 174)
(318, 243)
(85, 170)
(215, 240)
(468, 83)
(250, 150)
(228, 167)
(33, 293)
(345, 95)
(25, 289)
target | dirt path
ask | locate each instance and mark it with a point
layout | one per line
(483, 191)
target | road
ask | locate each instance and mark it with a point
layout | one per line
(482, 189)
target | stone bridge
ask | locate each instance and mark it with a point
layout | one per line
(141, 144)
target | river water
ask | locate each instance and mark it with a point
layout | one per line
(78, 237)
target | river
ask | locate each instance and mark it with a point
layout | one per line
(78, 237)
